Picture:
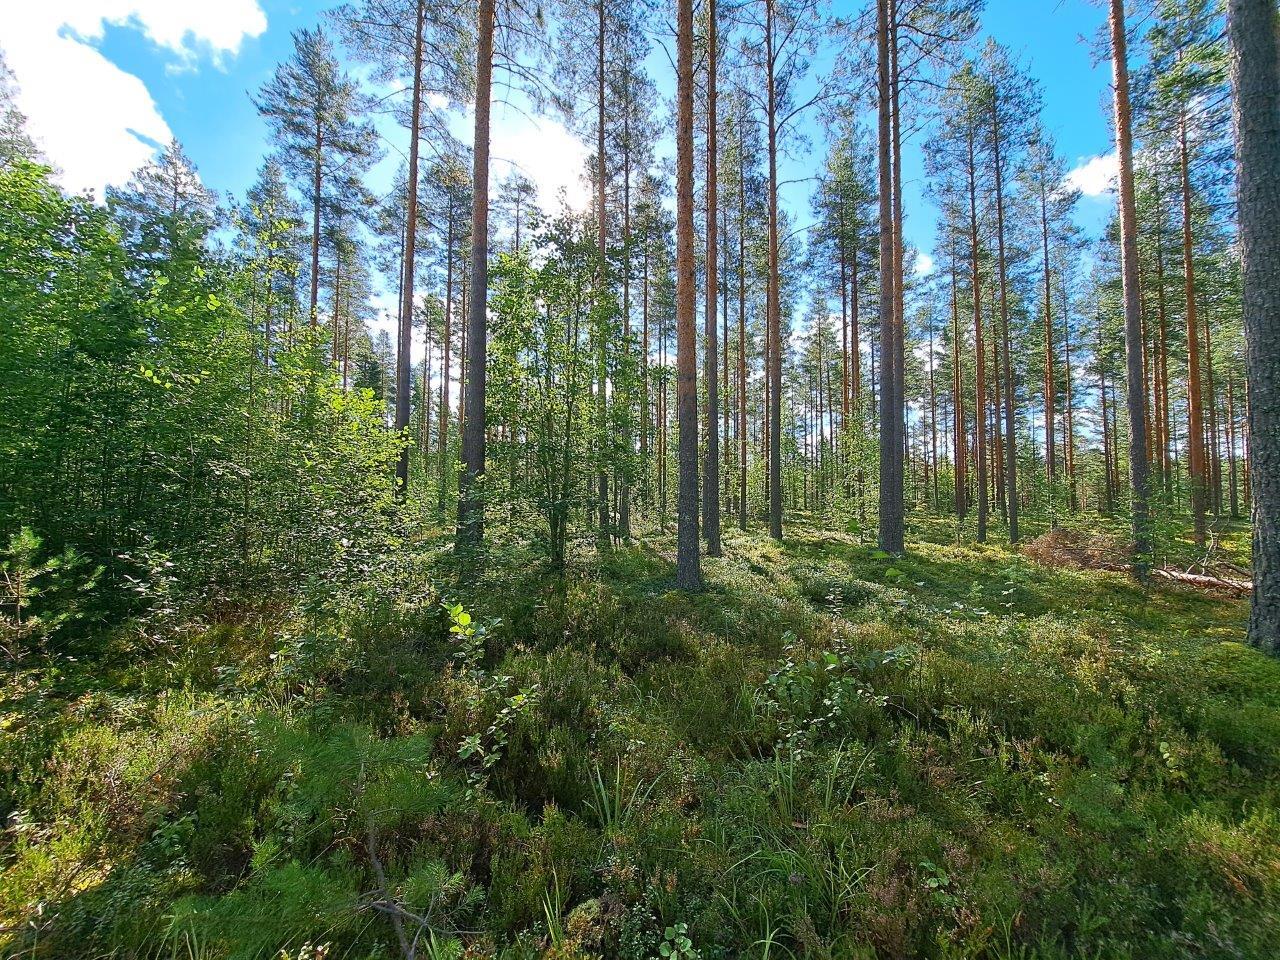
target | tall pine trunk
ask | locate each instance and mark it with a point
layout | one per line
(602, 390)
(711, 464)
(1139, 466)
(688, 562)
(1011, 453)
(405, 339)
(1195, 405)
(979, 350)
(890, 526)
(471, 498)
(742, 332)
(774, 308)
(1255, 73)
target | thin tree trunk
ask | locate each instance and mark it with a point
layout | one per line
(316, 187)
(1068, 428)
(1050, 458)
(1138, 464)
(446, 362)
(602, 392)
(405, 340)
(1195, 403)
(622, 481)
(1011, 454)
(688, 562)
(890, 526)
(711, 464)
(961, 455)
(774, 319)
(979, 349)
(1234, 495)
(742, 332)
(471, 498)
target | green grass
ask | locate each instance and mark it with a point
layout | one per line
(828, 753)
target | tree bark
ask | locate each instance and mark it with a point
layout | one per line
(1139, 466)
(602, 391)
(711, 464)
(890, 534)
(979, 350)
(742, 332)
(470, 500)
(1011, 453)
(1252, 32)
(774, 307)
(688, 562)
(1195, 405)
(405, 342)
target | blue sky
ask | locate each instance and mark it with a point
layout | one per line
(103, 79)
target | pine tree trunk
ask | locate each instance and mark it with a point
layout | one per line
(1011, 453)
(979, 349)
(1195, 405)
(1256, 80)
(774, 319)
(1231, 446)
(742, 332)
(890, 536)
(711, 464)
(405, 340)
(688, 562)
(446, 362)
(316, 188)
(645, 489)
(602, 374)
(960, 456)
(471, 498)
(1138, 463)
(1068, 426)
(622, 480)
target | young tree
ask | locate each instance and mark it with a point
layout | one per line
(167, 214)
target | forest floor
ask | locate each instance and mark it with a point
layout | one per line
(828, 753)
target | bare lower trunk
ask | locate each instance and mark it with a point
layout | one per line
(1254, 68)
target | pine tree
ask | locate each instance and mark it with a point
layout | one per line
(316, 116)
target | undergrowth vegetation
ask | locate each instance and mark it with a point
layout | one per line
(829, 753)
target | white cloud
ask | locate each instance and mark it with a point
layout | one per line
(924, 264)
(94, 120)
(544, 151)
(1095, 176)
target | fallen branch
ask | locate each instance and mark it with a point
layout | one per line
(385, 903)
(1236, 587)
